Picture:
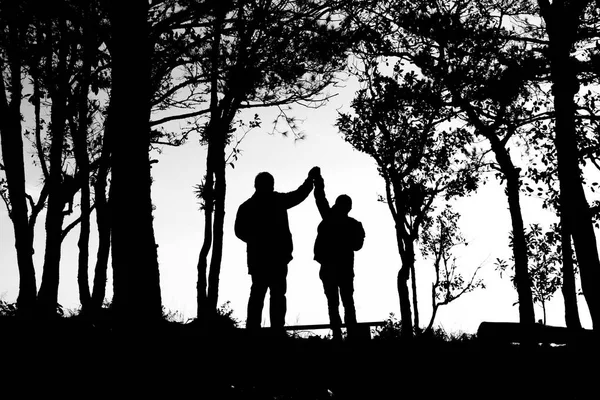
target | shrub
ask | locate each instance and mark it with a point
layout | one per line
(390, 331)
(7, 309)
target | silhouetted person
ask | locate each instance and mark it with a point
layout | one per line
(262, 222)
(338, 237)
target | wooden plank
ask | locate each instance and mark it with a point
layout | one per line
(361, 333)
(328, 326)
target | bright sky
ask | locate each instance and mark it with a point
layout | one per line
(178, 228)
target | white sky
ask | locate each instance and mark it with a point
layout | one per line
(178, 228)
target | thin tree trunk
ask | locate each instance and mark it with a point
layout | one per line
(407, 257)
(48, 293)
(35, 74)
(435, 306)
(219, 221)
(213, 187)
(84, 236)
(103, 219)
(14, 168)
(80, 144)
(513, 184)
(522, 279)
(433, 315)
(414, 296)
(136, 280)
(207, 196)
(544, 310)
(568, 288)
(403, 295)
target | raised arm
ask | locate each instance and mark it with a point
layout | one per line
(320, 198)
(292, 199)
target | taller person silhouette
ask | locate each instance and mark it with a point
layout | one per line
(262, 222)
(338, 237)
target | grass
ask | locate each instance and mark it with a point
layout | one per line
(180, 359)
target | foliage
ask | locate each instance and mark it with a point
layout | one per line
(172, 316)
(391, 331)
(224, 318)
(401, 119)
(545, 257)
(8, 309)
(438, 240)
(253, 54)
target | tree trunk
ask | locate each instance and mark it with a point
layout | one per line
(84, 233)
(568, 288)
(414, 296)
(544, 311)
(136, 280)
(522, 279)
(433, 315)
(214, 186)
(562, 22)
(103, 219)
(207, 197)
(407, 257)
(48, 293)
(403, 295)
(103, 225)
(14, 168)
(219, 220)
(80, 144)
(434, 303)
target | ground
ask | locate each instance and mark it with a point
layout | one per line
(176, 361)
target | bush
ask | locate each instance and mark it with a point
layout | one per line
(224, 317)
(7, 309)
(390, 331)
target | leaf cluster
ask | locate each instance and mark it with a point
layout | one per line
(402, 120)
(545, 259)
(439, 239)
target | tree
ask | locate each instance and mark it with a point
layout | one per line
(59, 67)
(464, 48)
(565, 30)
(50, 69)
(61, 186)
(11, 92)
(438, 239)
(401, 121)
(541, 171)
(136, 283)
(545, 255)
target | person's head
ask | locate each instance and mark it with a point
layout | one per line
(343, 204)
(264, 182)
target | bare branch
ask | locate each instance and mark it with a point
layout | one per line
(73, 224)
(179, 117)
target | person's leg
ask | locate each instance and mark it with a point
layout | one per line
(346, 292)
(278, 302)
(258, 290)
(333, 301)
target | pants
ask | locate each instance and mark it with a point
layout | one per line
(338, 284)
(272, 277)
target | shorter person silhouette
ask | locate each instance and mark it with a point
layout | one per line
(338, 237)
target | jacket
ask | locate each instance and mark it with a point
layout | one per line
(262, 222)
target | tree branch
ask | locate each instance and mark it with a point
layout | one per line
(73, 224)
